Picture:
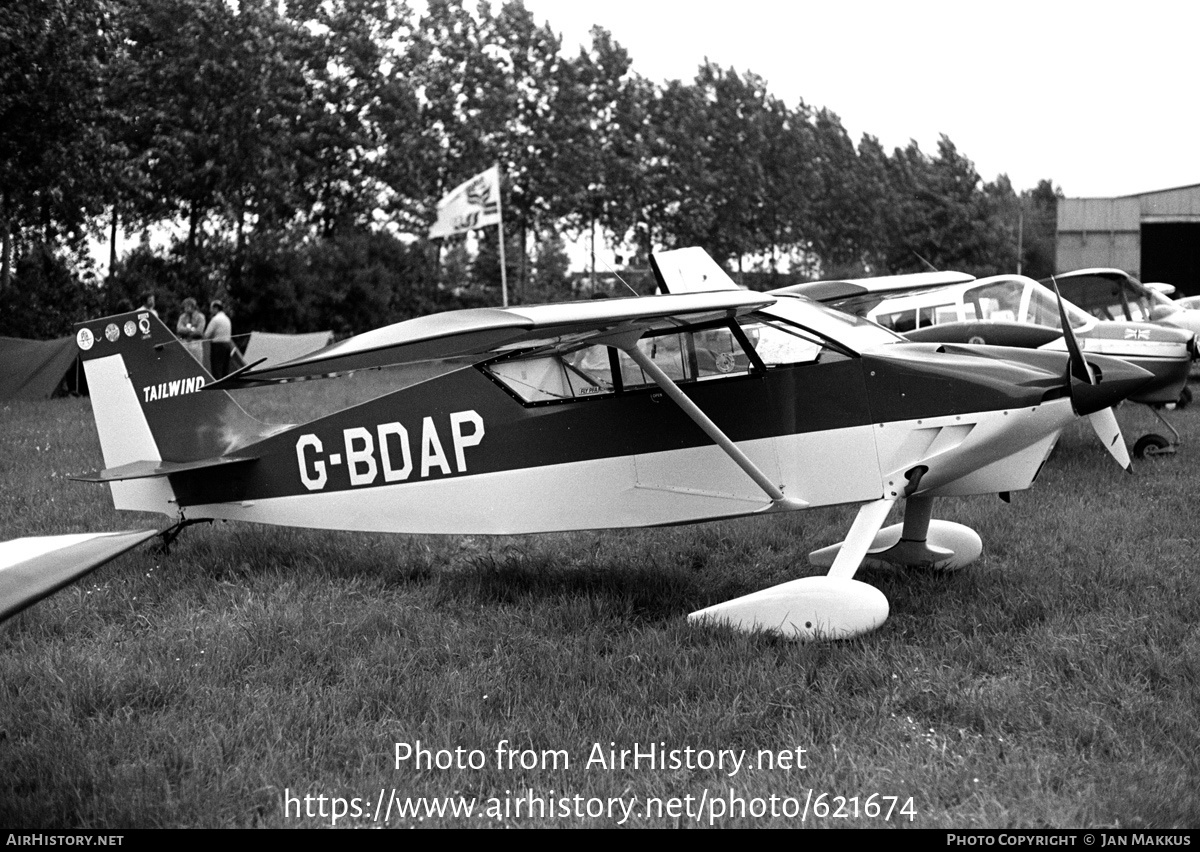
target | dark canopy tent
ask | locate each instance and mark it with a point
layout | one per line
(36, 369)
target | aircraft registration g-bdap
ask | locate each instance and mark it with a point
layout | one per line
(628, 412)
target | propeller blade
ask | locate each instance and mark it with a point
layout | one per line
(1088, 400)
(1087, 397)
(1104, 423)
(1079, 368)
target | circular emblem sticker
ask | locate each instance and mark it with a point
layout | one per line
(977, 339)
(725, 363)
(111, 332)
(85, 339)
(130, 328)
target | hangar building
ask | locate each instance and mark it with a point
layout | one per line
(1154, 236)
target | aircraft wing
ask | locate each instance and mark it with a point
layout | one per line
(478, 333)
(841, 289)
(33, 568)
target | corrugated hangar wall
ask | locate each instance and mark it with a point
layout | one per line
(1154, 236)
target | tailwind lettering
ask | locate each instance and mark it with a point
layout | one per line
(176, 387)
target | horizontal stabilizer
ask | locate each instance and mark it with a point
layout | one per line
(149, 469)
(689, 270)
(33, 568)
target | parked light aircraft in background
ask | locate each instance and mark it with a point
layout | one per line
(1013, 310)
(1114, 294)
(630, 412)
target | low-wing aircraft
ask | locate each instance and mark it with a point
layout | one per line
(1114, 294)
(1013, 310)
(625, 412)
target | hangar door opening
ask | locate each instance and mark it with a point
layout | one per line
(1171, 253)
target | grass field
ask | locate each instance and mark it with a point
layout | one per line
(1055, 683)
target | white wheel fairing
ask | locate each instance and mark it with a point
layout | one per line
(962, 541)
(811, 608)
(947, 547)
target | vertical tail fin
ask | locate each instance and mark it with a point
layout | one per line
(146, 390)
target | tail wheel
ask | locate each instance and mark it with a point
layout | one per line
(1149, 446)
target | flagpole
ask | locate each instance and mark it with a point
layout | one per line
(500, 225)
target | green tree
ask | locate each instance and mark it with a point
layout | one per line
(1039, 227)
(791, 186)
(551, 271)
(841, 213)
(595, 176)
(944, 217)
(734, 178)
(53, 144)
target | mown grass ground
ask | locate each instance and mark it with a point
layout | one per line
(1054, 683)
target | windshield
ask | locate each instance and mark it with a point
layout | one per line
(1043, 310)
(1016, 298)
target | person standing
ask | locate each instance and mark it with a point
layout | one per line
(219, 333)
(191, 322)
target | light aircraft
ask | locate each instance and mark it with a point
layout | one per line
(625, 412)
(1114, 294)
(1014, 310)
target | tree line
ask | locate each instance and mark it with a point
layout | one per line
(288, 156)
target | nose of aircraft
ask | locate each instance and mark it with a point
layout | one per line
(1113, 380)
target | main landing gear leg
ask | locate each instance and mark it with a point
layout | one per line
(919, 542)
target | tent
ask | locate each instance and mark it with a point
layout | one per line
(36, 369)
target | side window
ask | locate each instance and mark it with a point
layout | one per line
(669, 352)
(940, 315)
(718, 353)
(535, 379)
(574, 375)
(701, 355)
(998, 301)
(899, 322)
(589, 371)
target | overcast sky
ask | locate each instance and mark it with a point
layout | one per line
(1099, 97)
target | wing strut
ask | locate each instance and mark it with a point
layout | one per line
(778, 500)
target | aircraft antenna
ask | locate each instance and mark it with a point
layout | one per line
(619, 278)
(932, 268)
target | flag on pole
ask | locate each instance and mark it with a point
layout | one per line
(472, 204)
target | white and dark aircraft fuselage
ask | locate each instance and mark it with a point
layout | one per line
(616, 413)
